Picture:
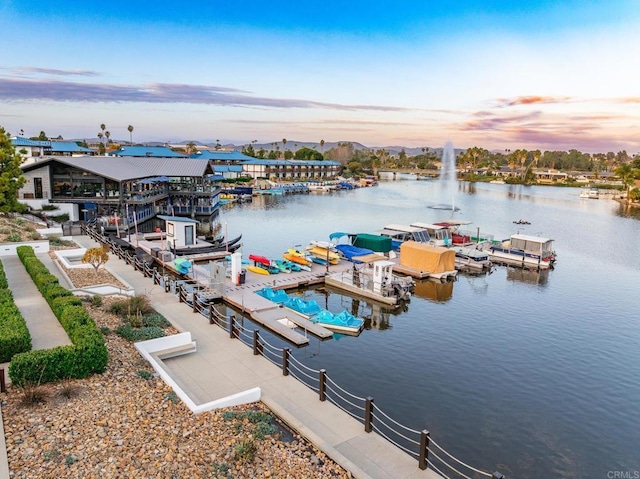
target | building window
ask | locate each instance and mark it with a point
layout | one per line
(37, 187)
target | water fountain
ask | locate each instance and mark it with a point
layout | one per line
(448, 177)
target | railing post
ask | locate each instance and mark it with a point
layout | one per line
(424, 449)
(285, 361)
(322, 385)
(497, 475)
(368, 414)
(180, 294)
(211, 313)
(3, 384)
(232, 321)
(256, 349)
(195, 302)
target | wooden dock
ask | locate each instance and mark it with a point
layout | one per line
(271, 315)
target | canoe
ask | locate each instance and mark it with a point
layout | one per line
(257, 269)
(324, 254)
(296, 259)
(260, 259)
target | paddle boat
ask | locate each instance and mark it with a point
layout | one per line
(182, 265)
(277, 296)
(343, 322)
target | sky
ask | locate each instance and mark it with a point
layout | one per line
(548, 75)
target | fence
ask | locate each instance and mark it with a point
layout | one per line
(417, 444)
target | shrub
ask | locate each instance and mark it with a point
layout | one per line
(14, 237)
(139, 334)
(155, 319)
(246, 450)
(14, 334)
(68, 389)
(145, 374)
(86, 356)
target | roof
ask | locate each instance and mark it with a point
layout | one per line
(256, 161)
(128, 168)
(177, 219)
(147, 151)
(21, 141)
(533, 239)
(69, 146)
(227, 168)
(217, 155)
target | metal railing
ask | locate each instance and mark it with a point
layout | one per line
(417, 444)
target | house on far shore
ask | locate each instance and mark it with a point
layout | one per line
(30, 149)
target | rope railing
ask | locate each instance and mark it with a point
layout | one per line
(295, 360)
(389, 428)
(331, 381)
(318, 381)
(395, 443)
(354, 405)
(486, 474)
(437, 470)
(464, 476)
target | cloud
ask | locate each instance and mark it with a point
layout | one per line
(632, 99)
(63, 91)
(53, 71)
(490, 123)
(530, 100)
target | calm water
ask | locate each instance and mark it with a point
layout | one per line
(537, 376)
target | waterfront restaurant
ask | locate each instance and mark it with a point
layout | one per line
(89, 187)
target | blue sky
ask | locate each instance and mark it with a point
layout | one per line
(496, 74)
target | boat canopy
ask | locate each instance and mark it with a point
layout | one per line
(337, 235)
(531, 243)
(377, 243)
(433, 259)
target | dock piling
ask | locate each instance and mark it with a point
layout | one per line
(285, 361)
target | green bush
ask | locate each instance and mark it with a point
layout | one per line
(139, 334)
(14, 334)
(86, 356)
(155, 319)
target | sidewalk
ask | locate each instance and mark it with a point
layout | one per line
(223, 366)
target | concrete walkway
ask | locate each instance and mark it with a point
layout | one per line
(223, 366)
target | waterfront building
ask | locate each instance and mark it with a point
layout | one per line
(88, 187)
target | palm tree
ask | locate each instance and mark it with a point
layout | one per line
(191, 148)
(107, 135)
(321, 146)
(130, 129)
(284, 145)
(625, 173)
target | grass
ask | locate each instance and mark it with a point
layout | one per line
(33, 394)
(69, 390)
(245, 451)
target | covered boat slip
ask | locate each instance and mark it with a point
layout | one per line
(421, 260)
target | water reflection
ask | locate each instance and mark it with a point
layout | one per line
(628, 211)
(529, 276)
(436, 291)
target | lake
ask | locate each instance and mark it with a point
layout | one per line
(536, 375)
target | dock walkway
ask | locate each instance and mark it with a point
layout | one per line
(223, 367)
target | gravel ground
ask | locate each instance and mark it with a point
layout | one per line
(120, 425)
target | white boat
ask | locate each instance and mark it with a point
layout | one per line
(373, 278)
(471, 259)
(439, 235)
(524, 250)
(592, 193)
(401, 233)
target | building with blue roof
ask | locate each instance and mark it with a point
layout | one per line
(147, 151)
(36, 148)
(291, 170)
(221, 156)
